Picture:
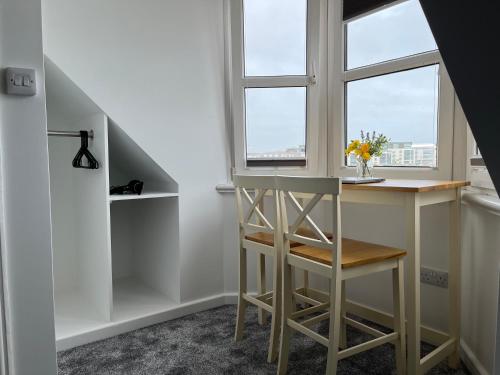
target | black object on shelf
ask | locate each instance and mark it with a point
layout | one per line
(133, 187)
(92, 163)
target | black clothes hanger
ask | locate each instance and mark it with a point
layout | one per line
(92, 163)
(133, 187)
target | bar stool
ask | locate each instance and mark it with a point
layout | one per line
(338, 261)
(259, 232)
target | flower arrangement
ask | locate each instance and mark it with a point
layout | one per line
(365, 149)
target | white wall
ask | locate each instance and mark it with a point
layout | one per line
(157, 69)
(26, 239)
(480, 281)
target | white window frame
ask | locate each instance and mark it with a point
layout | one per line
(477, 173)
(338, 77)
(314, 81)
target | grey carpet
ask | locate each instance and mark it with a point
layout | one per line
(203, 343)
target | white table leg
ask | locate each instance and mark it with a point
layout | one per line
(413, 300)
(454, 277)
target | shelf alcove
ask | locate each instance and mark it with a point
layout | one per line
(115, 258)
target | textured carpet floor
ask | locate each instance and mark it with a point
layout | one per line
(203, 344)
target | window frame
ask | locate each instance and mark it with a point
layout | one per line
(338, 79)
(316, 139)
(477, 173)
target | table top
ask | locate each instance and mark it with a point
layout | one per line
(408, 186)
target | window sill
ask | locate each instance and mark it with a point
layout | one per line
(276, 163)
(486, 202)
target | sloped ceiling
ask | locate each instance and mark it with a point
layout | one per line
(468, 37)
(353, 8)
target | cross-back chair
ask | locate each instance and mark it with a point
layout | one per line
(337, 260)
(258, 231)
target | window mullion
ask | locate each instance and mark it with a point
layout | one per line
(393, 66)
(281, 81)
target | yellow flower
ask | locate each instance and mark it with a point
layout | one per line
(367, 156)
(365, 148)
(353, 146)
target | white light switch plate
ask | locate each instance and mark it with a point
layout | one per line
(20, 81)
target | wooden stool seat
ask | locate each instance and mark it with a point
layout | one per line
(268, 238)
(354, 253)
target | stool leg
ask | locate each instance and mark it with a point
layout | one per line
(343, 334)
(261, 285)
(293, 286)
(306, 282)
(399, 316)
(240, 318)
(276, 316)
(334, 331)
(286, 313)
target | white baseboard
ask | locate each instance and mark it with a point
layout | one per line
(113, 329)
(470, 360)
(116, 328)
(231, 298)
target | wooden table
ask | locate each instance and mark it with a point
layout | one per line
(413, 195)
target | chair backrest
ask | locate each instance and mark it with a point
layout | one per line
(293, 190)
(252, 217)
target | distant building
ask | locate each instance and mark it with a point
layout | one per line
(404, 154)
(396, 154)
(298, 152)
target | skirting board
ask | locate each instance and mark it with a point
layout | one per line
(470, 360)
(117, 328)
(113, 329)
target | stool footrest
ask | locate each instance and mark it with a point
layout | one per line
(258, 303)
(364, 327)
(368, 345)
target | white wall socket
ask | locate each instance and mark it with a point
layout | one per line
(434, 277)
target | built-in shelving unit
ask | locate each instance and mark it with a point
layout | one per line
(116, 257)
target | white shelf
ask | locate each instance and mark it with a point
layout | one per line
(132, 299)
(128, 197)
(74, 315)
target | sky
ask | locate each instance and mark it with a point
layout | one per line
(402, 106)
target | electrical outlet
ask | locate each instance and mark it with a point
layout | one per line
(434, 277)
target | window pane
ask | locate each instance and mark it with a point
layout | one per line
(404, 107)
(399, 31)
(275, 37)
(276, 123)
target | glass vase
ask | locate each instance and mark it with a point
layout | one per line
(364, 168)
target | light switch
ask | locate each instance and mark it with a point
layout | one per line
(20, 81)
(26, 81)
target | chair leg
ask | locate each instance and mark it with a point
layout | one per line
(242, 289)
(399, 316)
(276, 315)
(334, 330)
(286, 313)
(343, 324)
(261, 285)
(306, 283)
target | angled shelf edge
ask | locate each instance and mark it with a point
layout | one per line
(148, 195)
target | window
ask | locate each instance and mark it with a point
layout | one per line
(275, 46)
(477, 173)
(401, 105)
(393, 82)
